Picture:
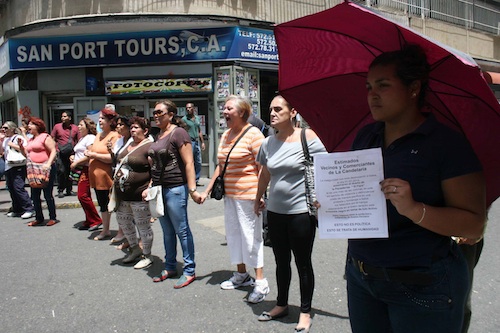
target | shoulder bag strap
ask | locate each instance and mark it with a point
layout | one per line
(234, 145)
(305, 148)
(70, 139)
(143, 142)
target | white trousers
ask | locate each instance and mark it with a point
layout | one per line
(243, 233)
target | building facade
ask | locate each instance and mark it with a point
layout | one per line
(77, 56)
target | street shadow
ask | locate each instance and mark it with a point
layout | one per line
(78, 224)
(217, 277)
(294, 311)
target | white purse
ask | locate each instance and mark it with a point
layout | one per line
(15, 158)
(155, 200)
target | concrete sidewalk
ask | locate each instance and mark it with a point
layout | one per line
(61, 203)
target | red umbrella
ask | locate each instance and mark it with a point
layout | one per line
(324, 60)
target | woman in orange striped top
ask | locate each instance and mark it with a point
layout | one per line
(243, 226)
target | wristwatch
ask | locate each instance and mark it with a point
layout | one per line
(192, 190)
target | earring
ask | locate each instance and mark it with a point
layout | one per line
(414, 95)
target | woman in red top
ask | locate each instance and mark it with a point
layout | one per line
(41, 148)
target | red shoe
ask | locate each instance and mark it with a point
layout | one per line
(51, 223)
(34, 223)
(164, 275)
(184, 281)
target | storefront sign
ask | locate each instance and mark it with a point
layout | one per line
(143, 47)
(159, 86)
(4, 59)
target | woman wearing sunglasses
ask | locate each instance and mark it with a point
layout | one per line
(173, 168)
(15, 175)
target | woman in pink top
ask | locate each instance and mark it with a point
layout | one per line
(41, 148)
(243, 226)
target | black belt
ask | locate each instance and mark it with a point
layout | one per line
(391, 274)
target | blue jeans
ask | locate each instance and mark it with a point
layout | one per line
(380, 306)
(49, 198)
(175, 224)
(197, 158)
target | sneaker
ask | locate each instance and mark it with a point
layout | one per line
(259, 292)
(28, 215)
(144, 262)
(60, 195)
(237, 280)
(12, 214)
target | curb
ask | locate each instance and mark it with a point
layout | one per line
(62, 205)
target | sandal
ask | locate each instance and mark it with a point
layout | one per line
(51, 223)
(266, 316)
(101, 237)
(34, 223)
(164, 275)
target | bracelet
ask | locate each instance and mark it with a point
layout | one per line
(423, 215)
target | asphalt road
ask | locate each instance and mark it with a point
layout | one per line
(57, 279)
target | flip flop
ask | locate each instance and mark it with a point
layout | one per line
(101, 237)
(164, 275)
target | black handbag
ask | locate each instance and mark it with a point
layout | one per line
(217, 192)
(67, 148)
(218, 188)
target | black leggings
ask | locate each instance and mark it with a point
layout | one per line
(293, 233)
(102, 197)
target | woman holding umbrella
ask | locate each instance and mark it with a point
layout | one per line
(416, 280)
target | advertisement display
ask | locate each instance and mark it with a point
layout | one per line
(158, 86)
(243, 43)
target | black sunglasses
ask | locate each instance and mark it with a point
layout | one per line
(159, 113)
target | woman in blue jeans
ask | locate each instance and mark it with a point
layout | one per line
(41, 148)
(173, 168)
(416, 280)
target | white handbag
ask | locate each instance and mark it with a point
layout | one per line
(155, 200)
(14, 157)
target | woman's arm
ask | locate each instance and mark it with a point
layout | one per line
(50, 146)
(464, 214)
(264, 178)
(208, 189)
